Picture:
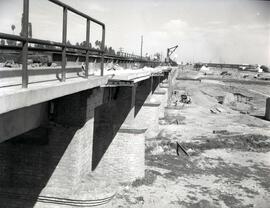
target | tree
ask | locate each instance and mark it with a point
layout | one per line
(83, 44)
(13, 28)
(157, 56)
(105, 49)
(68, 43)
(111, 51)
(98, 44)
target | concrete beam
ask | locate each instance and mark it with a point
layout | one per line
(13, 98)
(22, 120)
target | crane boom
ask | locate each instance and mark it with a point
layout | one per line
(170, 51)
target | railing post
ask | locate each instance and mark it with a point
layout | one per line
(25, 43)
(102, 48)
(64, 48)
(88, 46)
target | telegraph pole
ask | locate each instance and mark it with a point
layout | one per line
(141, 45)
(121, 50)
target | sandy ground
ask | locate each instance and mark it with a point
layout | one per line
(229, 154)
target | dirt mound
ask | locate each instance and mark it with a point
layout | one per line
(228, 99)
(227, 140)
(249, 142)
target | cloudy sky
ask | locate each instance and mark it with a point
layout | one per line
(228, 31)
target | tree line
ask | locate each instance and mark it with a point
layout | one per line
(97, 45)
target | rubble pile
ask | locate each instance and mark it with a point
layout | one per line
(179, 98)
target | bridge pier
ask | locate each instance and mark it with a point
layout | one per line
(118, 145)
(148, 118)
(58, 170)
(146, 110)
(160, 95)
(267, 109)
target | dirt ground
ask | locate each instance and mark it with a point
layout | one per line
(227, 142)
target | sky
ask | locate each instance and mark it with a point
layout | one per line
(224, 31)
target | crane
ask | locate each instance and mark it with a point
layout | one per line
(170, 51)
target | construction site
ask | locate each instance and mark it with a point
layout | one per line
(85, 125)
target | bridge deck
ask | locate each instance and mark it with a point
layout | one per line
(15, 97)
(134, 75)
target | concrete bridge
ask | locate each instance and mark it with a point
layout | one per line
(69, 136)
(71, 143)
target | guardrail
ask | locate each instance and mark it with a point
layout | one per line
(25, 39)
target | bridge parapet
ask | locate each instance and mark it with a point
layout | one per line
(25, 39)
(63, 50)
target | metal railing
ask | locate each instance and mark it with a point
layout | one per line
(129, 55)
(25, 39)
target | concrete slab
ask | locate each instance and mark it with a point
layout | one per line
(22, 120)
(128, 75)
(135, 75)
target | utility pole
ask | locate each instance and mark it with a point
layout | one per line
(121, 50)
(141, 45)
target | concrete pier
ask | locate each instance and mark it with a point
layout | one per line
(146, 111)
(160, 95)
(267, 109)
